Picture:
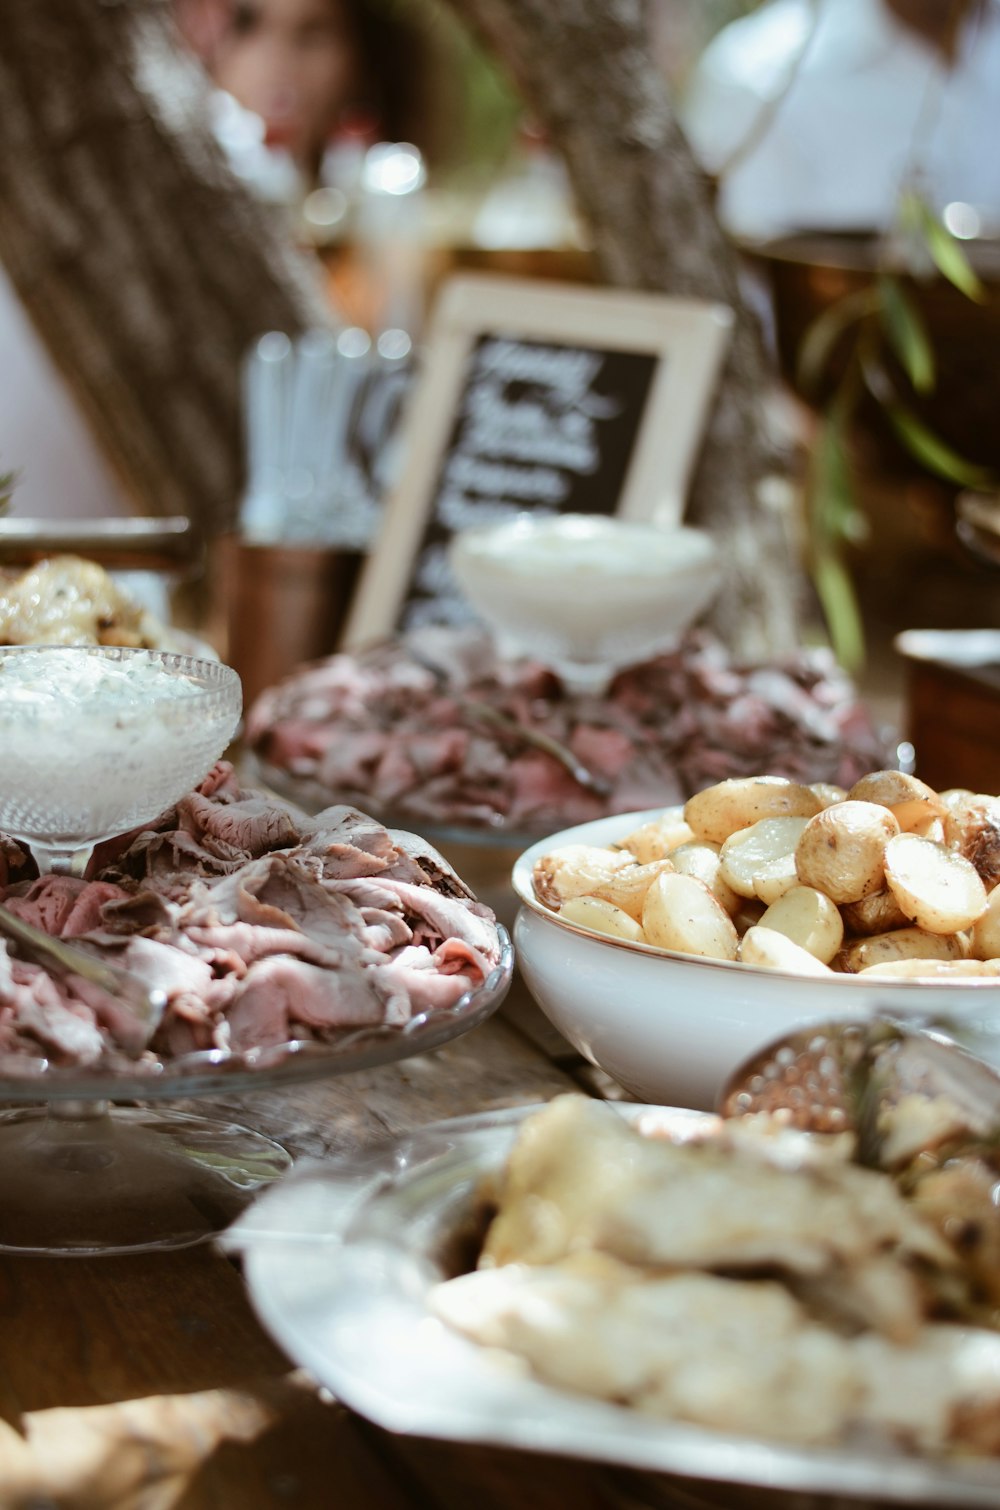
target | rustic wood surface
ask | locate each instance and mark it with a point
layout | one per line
(146, 1382)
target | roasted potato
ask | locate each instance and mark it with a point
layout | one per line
(575, 870)
(702, 861)
(627, 888)
(809, 919)
(841, 850)
(972, 828)
(889, 878)
(603, 917)
(877, 913)
(771, 950)
(759, 861)
(721, 810)
(912, 803)
(936, 969)
(681, 913)
(656, 840)
(936, 887)
(901, 943)
(984, 941)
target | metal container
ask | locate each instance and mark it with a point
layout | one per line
(284, 605)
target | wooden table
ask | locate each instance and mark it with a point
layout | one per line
(146, 1382)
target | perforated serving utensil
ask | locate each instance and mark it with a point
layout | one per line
(840, 1076)
(143, 1006)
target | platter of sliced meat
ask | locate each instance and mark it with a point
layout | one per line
(436, 730)
(288, 946)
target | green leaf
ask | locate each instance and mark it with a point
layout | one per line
(835, 518)
(934, 453)
(8, 482)
(904, 325)
(835, 502)
(820, 339)
(838, 600)
(951, 260)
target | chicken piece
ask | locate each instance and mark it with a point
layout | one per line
(739, 1355)
(580, 1178)
(941, 1392)
(959, 1199)
(69, 601)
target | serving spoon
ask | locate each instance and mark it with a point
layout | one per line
(144, 1005)
(486, 713)
(839, 1076)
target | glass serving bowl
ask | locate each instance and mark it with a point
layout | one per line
(586, 594)
(96, 740)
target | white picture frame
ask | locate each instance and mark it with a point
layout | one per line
(687, 338)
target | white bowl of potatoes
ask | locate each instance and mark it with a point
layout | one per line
(669, 946)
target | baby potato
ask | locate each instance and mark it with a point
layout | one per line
(721, 810)
(658, 838)
(702, 861)
(912, 802)
(827, 793)
(681, 913)
(771, 950)
(972, 827)
(575, 870)
(937, 888)
(984, 942)
(809, 919)
(627, 888)
(901, 943)
(765, 852)
(877, 913)
(934, 969)
(602, 917)
(775, 877)
(841, 849)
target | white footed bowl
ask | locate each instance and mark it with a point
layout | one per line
(672, 1027)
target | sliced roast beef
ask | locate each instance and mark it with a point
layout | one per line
(342, 924)
(396, 727)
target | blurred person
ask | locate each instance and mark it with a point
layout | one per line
(814, 114)
(314, 71)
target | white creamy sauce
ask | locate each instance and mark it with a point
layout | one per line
(92, 745)
(60, 681)
(576, 546)
(582, 587)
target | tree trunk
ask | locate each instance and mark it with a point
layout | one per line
(146, 269)
(585, 69)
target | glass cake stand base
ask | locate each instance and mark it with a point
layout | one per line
(84, 1178)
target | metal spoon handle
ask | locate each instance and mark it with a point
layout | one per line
(145, 1003)
(576, 768)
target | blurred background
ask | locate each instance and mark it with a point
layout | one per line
(848, 148)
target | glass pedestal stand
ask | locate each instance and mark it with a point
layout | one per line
(89, 1173)
(83, 1177)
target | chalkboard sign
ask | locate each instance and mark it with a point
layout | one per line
(537, 396)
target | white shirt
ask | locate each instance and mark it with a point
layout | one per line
(869, 101)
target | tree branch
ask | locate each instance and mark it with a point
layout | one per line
(145, 267)
(585, 69)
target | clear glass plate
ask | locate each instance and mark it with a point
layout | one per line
(340, 1258)
(312, 796)
(217, 1072)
